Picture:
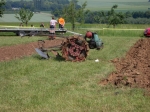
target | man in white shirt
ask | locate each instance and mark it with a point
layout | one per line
(53, 23)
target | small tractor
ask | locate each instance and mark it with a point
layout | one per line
(73, 48)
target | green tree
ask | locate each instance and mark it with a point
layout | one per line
(115, 18)
(81, 12)
(24, 15)
(2, 2)
(147, 14)
(72, 13)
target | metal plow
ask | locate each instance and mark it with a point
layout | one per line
(74, 48)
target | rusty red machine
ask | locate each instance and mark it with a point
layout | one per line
(72, 48)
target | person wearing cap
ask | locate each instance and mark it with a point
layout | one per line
(89, 35)
(94, 41)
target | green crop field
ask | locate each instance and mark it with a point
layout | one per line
(123, 5)
(38, 17)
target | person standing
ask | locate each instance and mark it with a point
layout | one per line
(53, 23)
(61, 22)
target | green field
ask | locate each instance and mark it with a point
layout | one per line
(123, 5)
(31, 84)
(37, 17)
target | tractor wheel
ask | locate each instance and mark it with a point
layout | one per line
(75, 48)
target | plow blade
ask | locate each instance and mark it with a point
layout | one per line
(42, 54)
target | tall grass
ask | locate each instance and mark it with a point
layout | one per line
(123, 30)
(31, 84)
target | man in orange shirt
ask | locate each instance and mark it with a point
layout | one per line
(61, 22)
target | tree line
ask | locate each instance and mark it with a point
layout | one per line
(73, 12)
(45, 5)
(137, 17)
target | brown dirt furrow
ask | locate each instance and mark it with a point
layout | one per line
(133, 70)
(17, 51)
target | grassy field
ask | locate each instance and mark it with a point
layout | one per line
(37, 17)
(34, 85)
(123, 5)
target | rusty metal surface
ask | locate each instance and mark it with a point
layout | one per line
(75, 49)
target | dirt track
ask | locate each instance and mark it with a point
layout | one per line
(132, 70)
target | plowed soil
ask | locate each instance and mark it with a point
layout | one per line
(18, 51)
(134, 69)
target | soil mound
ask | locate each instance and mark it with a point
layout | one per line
(134, 69)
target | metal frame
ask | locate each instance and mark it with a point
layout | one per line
(23, 31)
